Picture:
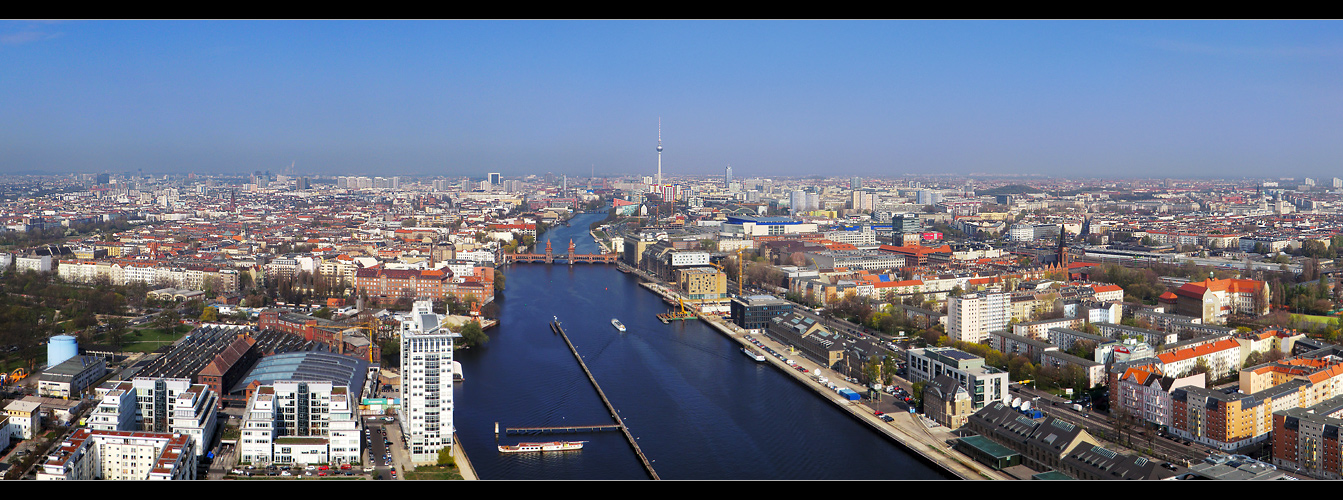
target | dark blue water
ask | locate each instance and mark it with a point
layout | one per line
(699, 407)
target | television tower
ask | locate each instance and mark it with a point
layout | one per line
(659, 151)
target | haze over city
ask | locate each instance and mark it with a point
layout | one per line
(769, 98)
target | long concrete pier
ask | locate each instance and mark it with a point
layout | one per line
(648, 466)
(551, 430)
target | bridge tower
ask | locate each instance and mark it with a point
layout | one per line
(550, 255)
(571, 251)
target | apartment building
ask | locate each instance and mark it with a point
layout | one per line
(25, 419)
(1144, 391)
(1153, 338)
(1306, 440)
(971, 317)
(90, 454)
(1222, 357)
(1092, 371)
(160, 405)
(1040, 329)
(1009, 344)
(426, 383)
(1232, 420)
(301, 422)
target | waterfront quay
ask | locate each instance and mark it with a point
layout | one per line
(912, 431)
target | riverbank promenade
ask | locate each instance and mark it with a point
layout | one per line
(914, 432)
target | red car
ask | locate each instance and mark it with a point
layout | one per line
(880, 413)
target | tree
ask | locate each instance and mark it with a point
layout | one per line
(1201, 366)
(210, 315)
(872, 369)
(166, 320)
(116, 329)
(445, 458)
(473, 335)
(498, 281)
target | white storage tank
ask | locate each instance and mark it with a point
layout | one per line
(61, 348)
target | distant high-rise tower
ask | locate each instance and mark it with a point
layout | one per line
(798, 201)
(855, 183)
(494, 178)
(727, 179)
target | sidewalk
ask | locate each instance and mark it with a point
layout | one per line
(907, 428)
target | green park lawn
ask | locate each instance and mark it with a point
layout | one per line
(151, 339)
(1313, 319)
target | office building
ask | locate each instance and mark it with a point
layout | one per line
(985, 384)
(754, 311)
(71, 378)
(426, 383)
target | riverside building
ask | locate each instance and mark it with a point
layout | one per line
(426, 383)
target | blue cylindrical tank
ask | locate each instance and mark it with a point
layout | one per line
(61, 348)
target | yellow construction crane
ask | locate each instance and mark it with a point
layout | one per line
(372, 337)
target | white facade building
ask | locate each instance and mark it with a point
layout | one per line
(25, 419)
(426, 383)
(690, 258)
(121, 455)
(37, 264)
(971, 317)
(301, 422)
(172, 405)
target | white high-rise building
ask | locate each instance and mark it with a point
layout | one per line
(426, 383)
(971, 317)
(798, 201)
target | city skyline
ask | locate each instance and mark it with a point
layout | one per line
(1186, 99)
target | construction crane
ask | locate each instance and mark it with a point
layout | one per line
(367, 326)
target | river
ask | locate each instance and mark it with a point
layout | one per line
(699, 408)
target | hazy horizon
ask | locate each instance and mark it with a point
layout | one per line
(1088, 99)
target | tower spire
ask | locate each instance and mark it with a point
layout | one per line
(659, 151)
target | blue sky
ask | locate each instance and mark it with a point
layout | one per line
(771, 98)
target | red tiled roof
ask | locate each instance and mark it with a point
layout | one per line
(1197, 351)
